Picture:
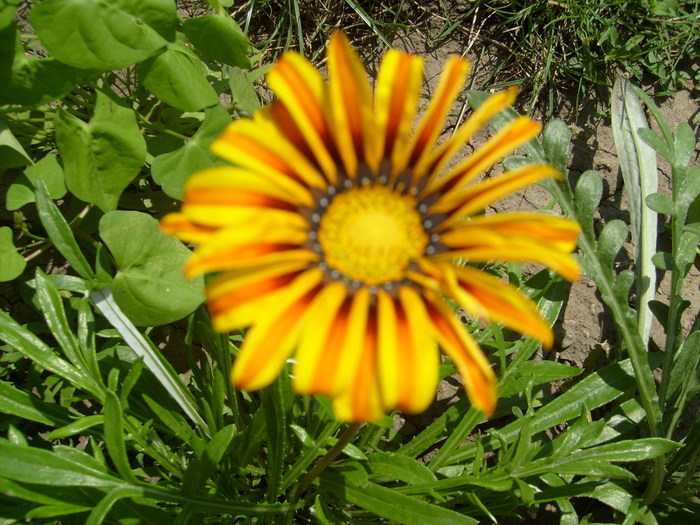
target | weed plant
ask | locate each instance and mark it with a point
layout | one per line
(114, 393)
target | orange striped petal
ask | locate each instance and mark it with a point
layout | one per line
(479, 379)
(390, 325)
(180, 225)
(320, 343)
(506, 228)
(350, 106)
(360, 399)
(396, 102)
(302, 91)
(516, 133)
(261, 243)
(432, 123)
(476, 121)
(477, 197)
(485, 297)
(259, 146)
(237, 298)
(270, 342)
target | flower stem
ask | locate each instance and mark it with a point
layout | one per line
(326, 460)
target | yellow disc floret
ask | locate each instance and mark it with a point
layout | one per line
(371, 234)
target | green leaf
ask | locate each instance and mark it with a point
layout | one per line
(171, 170)
(12, 154)
(587, 196)
(556, 140)
(664, 261)
(149, 286)
(202, 468)
(661, 203)
(218, 37)
(684, 144)
(244, 96)
(539, 372)
(610, 241)
(48, 170)
(34, 465)
(60, 232)
(27, 406)
(398, 467)
(78, 426)
(651, 138)
(100, 511)
(114, 436)
(628, 450)
(178, 78)
(12, 264)
(94, 34)
(684, 367)
(102, 157)
(390, 504)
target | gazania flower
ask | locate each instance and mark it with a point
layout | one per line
(344, 225)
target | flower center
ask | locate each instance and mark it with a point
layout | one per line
(371, 234)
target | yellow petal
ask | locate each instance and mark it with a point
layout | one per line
(476, 121)
(350, 106)
(301, 89)
(399, 83)
(432, 122)
(237, 298)
(180, 225)
(269, 343)
(474, 199)
(389, 355)
(479, 379)
(258, 145)
(516, 133)
(421, 360)
(264, 242)
(354, 338)
(485, 297)
(320, 345)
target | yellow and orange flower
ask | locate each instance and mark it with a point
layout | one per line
(335, 236)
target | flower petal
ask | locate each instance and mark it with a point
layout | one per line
(321, 341)
(432, 123)
(271, 340)
(237, 298)
(516, 133)
(396, 96)
(301, 89)
(350, 106)
(479, 379)
(180, 225)
(485, 297)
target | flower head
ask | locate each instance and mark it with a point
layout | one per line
(335, 237)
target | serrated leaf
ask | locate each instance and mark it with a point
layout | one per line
(218, 37)
(12, 264)
(178, 78)
(89, 34)
(102, 157)
(149, 286)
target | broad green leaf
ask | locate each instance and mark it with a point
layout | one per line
(684, 144)
(102, 157)
(661, 203)
(201, 469)
(149, 286)
(94, 34)
(398, 467)
(610, 241)
(556, 140)
(244, 96)
(587, 195)
(12, 153)
(27, 406)
(178, 78)
(48, 170)
(619, 497)
(171, 170)
(12, 264)
(664, 261)
(690, 187)
(218, 37)
(60, 232)
(161, 15)
(390, 504)
(43, 467)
